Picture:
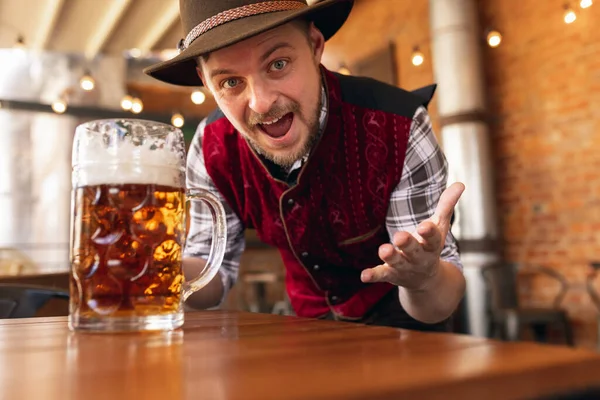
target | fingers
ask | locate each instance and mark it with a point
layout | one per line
(380, 273)
(448, 201)
(389, 254)
(431, 234)
(408, 244)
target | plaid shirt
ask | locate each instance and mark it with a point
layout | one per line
(414, 199)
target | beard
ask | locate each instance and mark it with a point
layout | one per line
(287, 159)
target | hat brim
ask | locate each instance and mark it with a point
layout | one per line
(328, 16)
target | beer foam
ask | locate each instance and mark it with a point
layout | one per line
(128, 164)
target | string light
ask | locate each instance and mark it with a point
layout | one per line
(59, 106)
(135, 53)
(86, 82)
(344, 70)
(177, 120)
(198, 97)
(494, 38)
(417, 57)
(585, 3)
(137, 106)
(167, 54)
(126, 102)
(570, 15)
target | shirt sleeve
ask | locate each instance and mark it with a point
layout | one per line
(424, 178)
(199, 236)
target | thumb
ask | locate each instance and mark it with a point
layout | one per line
(447, 203)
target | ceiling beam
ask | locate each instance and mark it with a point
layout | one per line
(93, 112)
(159, 28)
(50, 15)
(107, 24)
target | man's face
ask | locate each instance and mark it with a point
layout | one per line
(269, 87)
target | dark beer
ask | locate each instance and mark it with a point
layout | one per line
(127, 241)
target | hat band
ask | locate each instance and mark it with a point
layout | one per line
(237, 13)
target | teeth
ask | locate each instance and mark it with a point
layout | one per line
(271, 122)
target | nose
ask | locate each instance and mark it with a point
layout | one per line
(262, 96)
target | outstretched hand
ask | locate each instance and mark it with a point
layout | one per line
(414, 258)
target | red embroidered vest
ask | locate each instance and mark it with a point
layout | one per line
(330, 224)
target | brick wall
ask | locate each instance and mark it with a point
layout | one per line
(543, 85)
(544, 94)
(375, 23)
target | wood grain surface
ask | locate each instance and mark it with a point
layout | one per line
(233, 355)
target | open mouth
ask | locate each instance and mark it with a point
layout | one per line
(278, 127)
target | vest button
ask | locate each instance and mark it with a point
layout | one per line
(333, 299)
(316, 267)
(304, 254)
(290, 201)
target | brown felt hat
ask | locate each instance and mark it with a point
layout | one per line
(213, 24)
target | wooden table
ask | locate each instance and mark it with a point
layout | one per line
(231, 355)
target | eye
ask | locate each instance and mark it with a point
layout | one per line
(278, 65)
(230, 83)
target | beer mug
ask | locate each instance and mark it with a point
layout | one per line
(128, 227)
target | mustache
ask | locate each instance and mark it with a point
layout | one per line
(277, 111)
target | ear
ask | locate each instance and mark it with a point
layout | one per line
(200, 74)
(317, 41)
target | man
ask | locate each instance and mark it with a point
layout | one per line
(342, 174)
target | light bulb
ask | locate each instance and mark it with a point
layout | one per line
(59, 106)
(136, 106)
(167, 54)
(135, 53)
(198, 97)
(87, 83)
(585, 3)
(494, 38)
(177, 120)
(570, 16)
(126, 102)
(344, 71)
(417, 58)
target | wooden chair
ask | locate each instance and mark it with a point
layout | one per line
(594, 295)
(24, 301)
(507, 317)
(258, 281)
(13, 262)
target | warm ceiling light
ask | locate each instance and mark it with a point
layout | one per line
(585, 3)
(59, 106)
(126, 102)
(494, 38)
(344, 71)
(137, 106)
(135, 53)
(167, 54)
(198, 97)
(86, 82)
(570, 15)
(417, 57)
(177, 120)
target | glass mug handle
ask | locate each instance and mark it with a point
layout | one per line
(217, 247)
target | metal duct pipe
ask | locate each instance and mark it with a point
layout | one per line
(35, 149)
(465, 137)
